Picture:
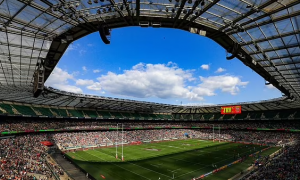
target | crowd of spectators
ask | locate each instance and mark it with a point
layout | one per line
(23, 156)
(40, 124)
(285, 166)
(102, 138)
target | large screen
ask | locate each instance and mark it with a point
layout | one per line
(231, 110)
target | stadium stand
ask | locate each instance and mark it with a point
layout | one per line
(7, 108)
(33, 110)
(24, 110)
(90, 113)
(104, 114)
(116, 115)
(263, 35)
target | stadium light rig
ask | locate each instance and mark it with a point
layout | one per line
(104, 32)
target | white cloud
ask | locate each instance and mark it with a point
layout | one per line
(225, 83)
(150, 80)
(84, 68)
(59, 76)
(96, 71)
(95, 86)
(82, 52)
(72, 47)
(60, 79)
(84, 82)
(68, 88)
(270, 86)
(163, 81)
(205, 66)
(219, 70)
(198, 104)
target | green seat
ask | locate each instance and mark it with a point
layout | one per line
(55, 111)
(117, 115)
(126, 115)
(217, 116)
(104, 114)
(297, 115)
(7, 108)
(197, 117)
(242, 116)
(178, 116)
(185, 116)
(168, 116)
(207, 116)
(75, 113)
(270, 114)
(44, 111)
(285, 114)
(24, 110)
(227, 117)
(253, 115)
(90, 113)
(62, 112)
(136, 116)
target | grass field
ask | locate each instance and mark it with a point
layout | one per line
(183, 159)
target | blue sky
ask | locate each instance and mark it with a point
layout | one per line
(158, 65)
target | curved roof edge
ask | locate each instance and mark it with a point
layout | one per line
(54, 97)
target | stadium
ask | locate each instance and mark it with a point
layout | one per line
(62, 133)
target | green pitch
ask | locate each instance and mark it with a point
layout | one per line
(179, 160)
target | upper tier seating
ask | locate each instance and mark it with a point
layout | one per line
(51, 111)
(24, 110)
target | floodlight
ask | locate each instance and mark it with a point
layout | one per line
(90, 2)
(144, 24)
(202, 32)
(156, 24)
(104, 32)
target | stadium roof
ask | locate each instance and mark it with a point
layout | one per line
(55, 97)
(263, 34)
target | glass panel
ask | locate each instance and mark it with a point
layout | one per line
(284, 26)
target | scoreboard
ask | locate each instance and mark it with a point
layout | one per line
(231, 110)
